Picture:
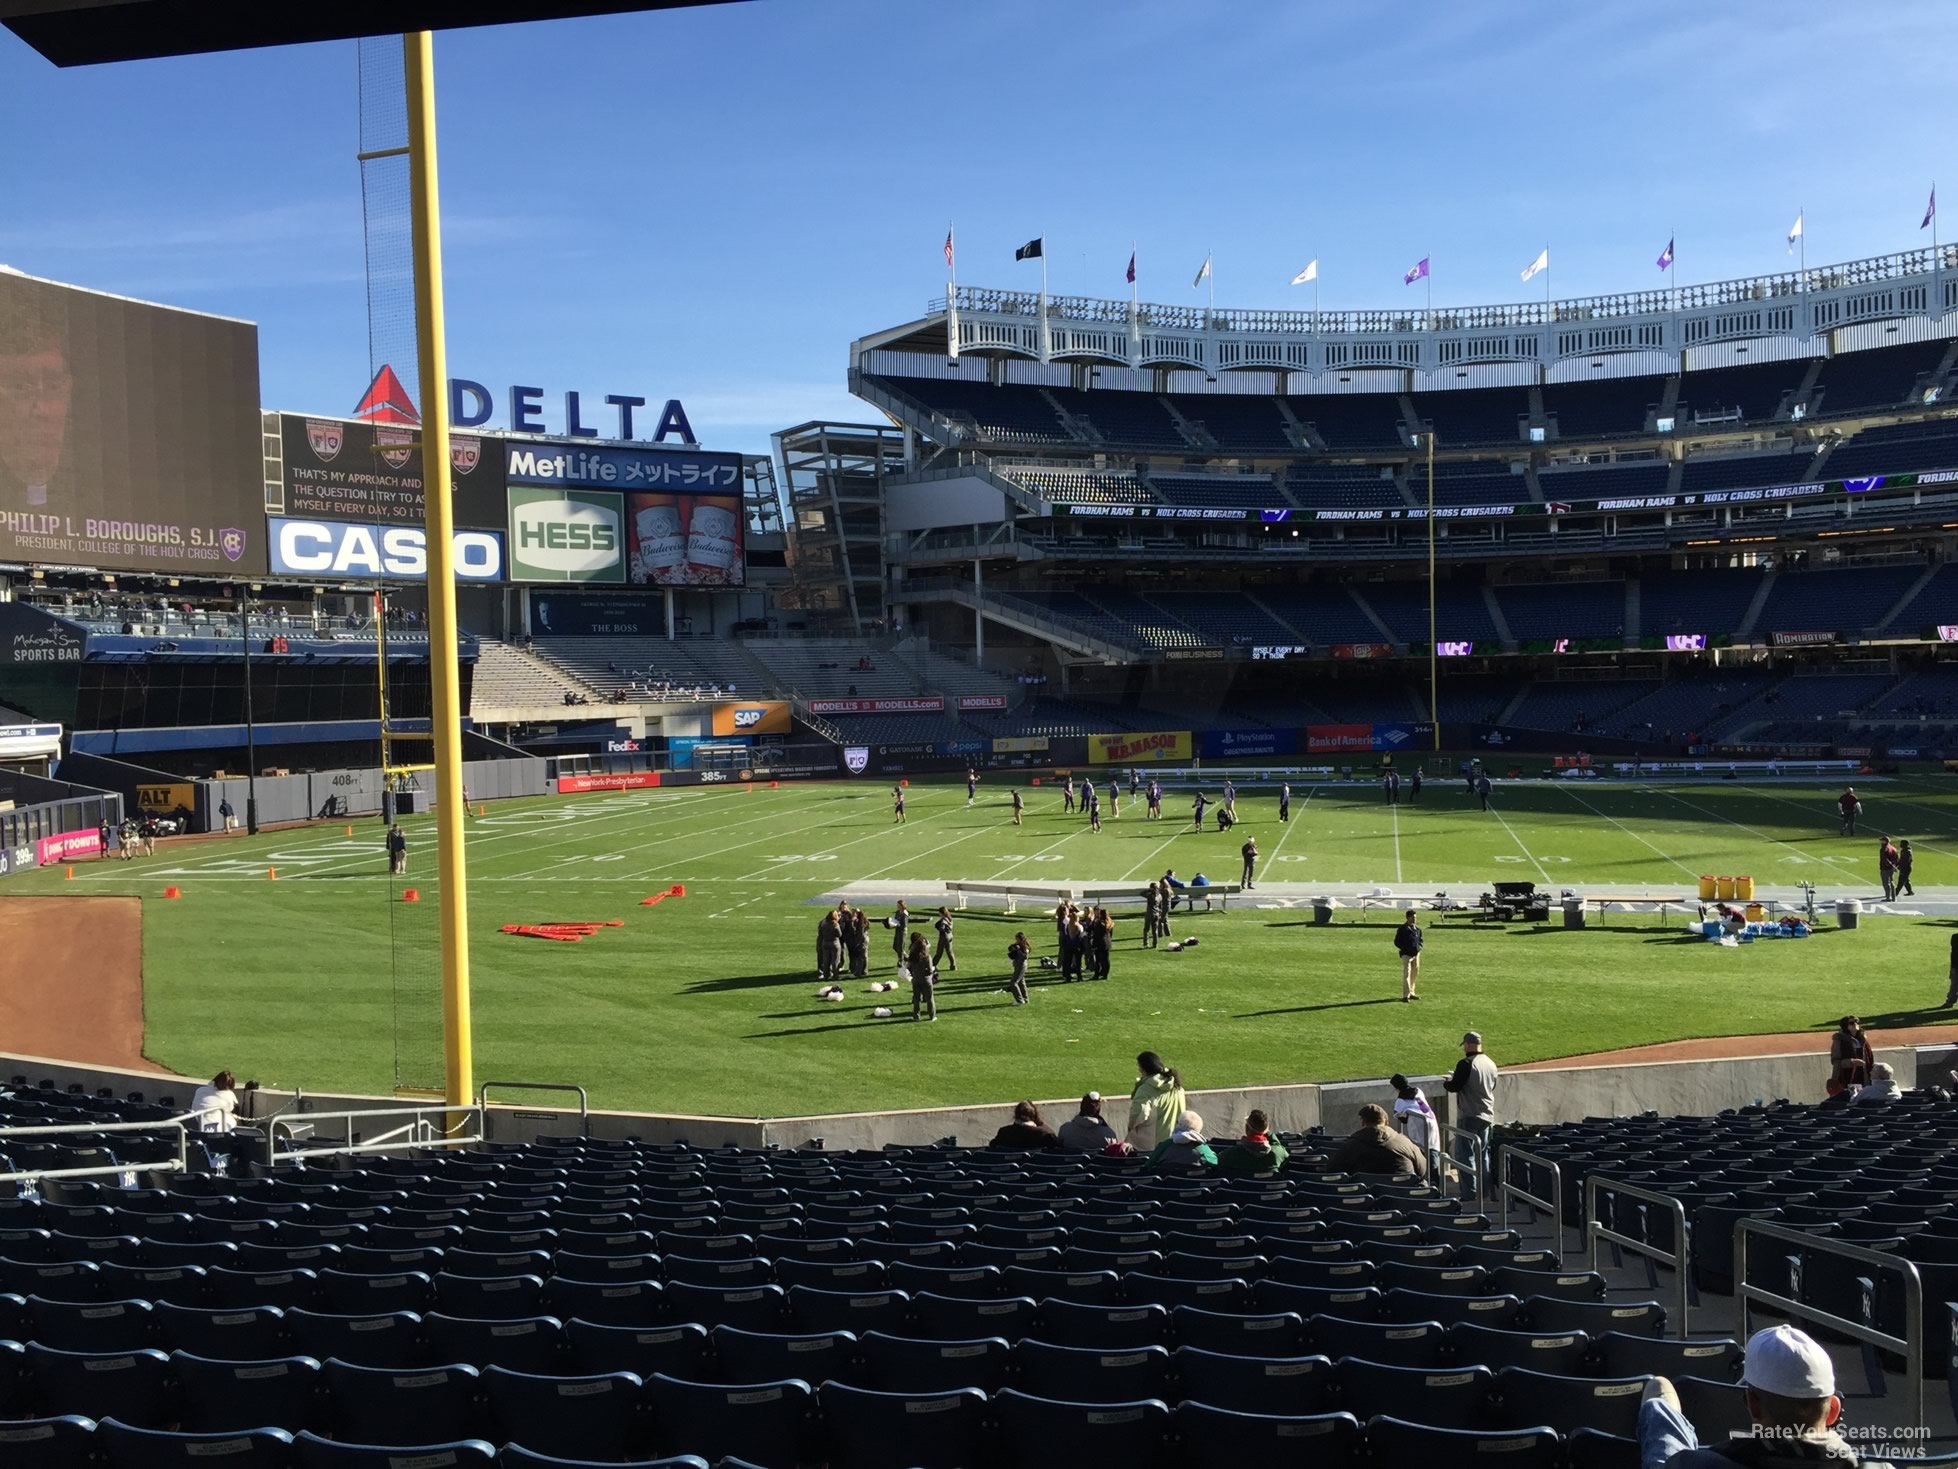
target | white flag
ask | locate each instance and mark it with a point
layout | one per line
(1203, 272)
(1542, 262)
(1794, 233)
(1310, 273)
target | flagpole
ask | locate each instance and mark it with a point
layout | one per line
(1546, 282)
(1801, 218)
(1430, 279)
(1210, 274)
(1046, 330)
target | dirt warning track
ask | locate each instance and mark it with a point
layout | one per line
(71, 979)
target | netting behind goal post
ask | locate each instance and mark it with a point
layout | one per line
(414, 927)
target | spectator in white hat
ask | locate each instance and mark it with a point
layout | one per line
(1087, 1131)
(1791, 1396)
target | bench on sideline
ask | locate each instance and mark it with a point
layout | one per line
(1100, 894)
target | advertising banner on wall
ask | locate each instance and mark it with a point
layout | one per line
(166, 796)
(29, 635)
(1020, 745)
(619, 780)
(683, 522)
(346, 549)
(566, 536)
(1391, 737)
(1363, 650)
(68, 846)
(344, 469)
(1328, 739)
(1227, 744)
(763, 716)
(129, 433)
(982, 701)
(922, 704)
(576, 615)
(1139, 749)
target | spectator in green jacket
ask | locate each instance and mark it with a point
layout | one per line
(1185, 1150)
(1255, 1152)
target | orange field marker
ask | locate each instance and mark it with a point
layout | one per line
(272, 874)
(172, 893)
(71, 875)
(411, 895)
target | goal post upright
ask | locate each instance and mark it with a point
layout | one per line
(458, 1049)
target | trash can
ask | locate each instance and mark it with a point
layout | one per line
(1849, 912)
(1708, 888)
(1573, 913)
(1322, 911)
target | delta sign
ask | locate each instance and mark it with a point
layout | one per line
(471, 405)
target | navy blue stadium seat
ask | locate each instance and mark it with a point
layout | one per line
(512, 1456)
(754, 1356)
(219, 1396)
(1169, 1293)
(375, 1405)
(356, 1293)
(182, 1285)
(391, 1339)
(133, 1386)
(567, 1265)
(126, 1446)
(906, 1365)
(955, 1318)
(812, 1309)
(1109, 1376)
(281, 1288)
(1223, 1438)
(888, 1430)
(1633, 1318)
(46, 1443)
(487, 1295)
(1621, 1354)
(239, 1334)
(1065, 1324)
(1561, 1352)
(312, 1452)
(847, 1274)
(1397, 1441)
(1087, 1287)
(617, 1303)
(1525, 1399)
(680, 1350)
(1449, 1398)
(520, 1343)
(55, 1280)
(1248, 1384)
(1395, 1343)
(767, 1423)
(595, 1417)
(1501, 1312)
(1051, 1433)
(108, 1326)
(1278, 1334)
(754, 1308)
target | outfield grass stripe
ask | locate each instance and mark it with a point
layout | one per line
(1395, 807)
(1493, 811)
(1568, 790)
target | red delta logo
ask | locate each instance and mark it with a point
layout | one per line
(387, 401)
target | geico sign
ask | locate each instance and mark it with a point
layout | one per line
(566, 535)
(320, 548)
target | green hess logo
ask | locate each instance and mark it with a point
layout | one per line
(567, 535)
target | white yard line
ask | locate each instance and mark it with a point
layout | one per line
(1548, 880)
(1721, 816)
(1294, 823)
(1567, 790)
(1017, 861)
(1395, 807)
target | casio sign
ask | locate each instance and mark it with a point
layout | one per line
(320, 548)
(566, 535)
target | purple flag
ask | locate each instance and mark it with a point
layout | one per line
(1665, 257)
(1931, 211)
(1418, 272)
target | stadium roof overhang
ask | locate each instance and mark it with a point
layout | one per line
(88, 32)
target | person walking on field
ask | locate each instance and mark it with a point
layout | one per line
(945, 956)
(397, 850)
(1197, 807)
(1155, 800)
(1115, 799)
(1414, 785)
(1249, 851)
(1886, 866)
(1067, 796)
(971, 787)
(1151, 906)
(1905, 860)
(1390, 784)
(1019, 807)
(1285, 803)
(1408, 940)
(1848, 807)
(829, 946)
(1094, 809)
(899, 923)
(918, 964)
(1155, 1104)
(1017, 954)
(856, 941)
(897, 805)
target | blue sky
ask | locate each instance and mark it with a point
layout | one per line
(711, 204)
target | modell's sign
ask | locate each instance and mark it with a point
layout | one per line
(922, 704)
(982, 701)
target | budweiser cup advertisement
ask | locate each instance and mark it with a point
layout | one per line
(685, 540)
(660, 546)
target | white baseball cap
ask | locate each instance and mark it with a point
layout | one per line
(1788, 1363)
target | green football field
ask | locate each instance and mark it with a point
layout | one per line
(706, 1003)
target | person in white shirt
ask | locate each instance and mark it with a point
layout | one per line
(1414, 1116)
(215, 1107)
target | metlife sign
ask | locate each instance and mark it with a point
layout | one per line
(360, 552)
(623, 467)
(567, 536)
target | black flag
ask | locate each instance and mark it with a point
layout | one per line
(1029, 251)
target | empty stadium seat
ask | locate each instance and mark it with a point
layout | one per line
(312, 1452)
(127, 1446)
(59, 1442)
(594, 1417)
(378, 1405)
(1224, 1438)
(753, 1356)
(907, 1365)
(767, 1423)
(900, 1430)
(1051, 1433)
(222, 1396)
(133, 1386)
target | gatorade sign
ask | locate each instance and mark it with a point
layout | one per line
(566, 536)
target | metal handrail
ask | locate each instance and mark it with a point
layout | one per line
(181, 1164)
(437, 1134)
(1477, 1168)
(1910, 1345)
(1552, 1206)
(584, 1100)
(1680, 1260)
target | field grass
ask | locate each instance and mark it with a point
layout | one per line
(706, 1003)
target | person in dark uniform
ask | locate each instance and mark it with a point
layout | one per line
(971, 786)
(1414, 785)
(897, 805)
(1017, 954)
(945, 956)
(1151, 907)
(1135, 780)
(1226, 818)
(1067, 796)
(1886, 866)
(397, 850)
(1155, 800)
(1074, 943)
(1285, 802)
(1390, 783)
(1905, 859)
(1197, 806)
(917, 962)
(1408, 940)
(1848, 807)
(1115, 799)
(1061, 910)
(1249, 851)
(1101, 939)
(899, 924)
(1482, 788)
(1019, 806)
(1094, 809)
(856, 942)
(829, 946)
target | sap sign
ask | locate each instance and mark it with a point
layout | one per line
(568, 535)
(385, 552)
(470, 406)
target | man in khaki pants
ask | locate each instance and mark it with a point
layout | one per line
(1407, 941)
